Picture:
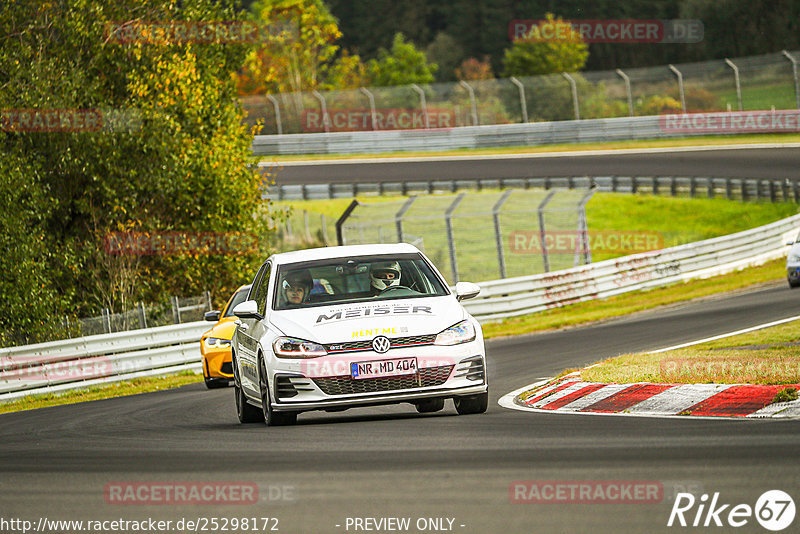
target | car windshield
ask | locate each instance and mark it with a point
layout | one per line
(356, 279)
(238, 297)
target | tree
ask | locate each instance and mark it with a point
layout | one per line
(401, 65)
(171, 153)
(551, 47)
(474, 69)
(445, 52)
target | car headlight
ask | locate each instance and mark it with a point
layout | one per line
(462, 332)
(289, 347)
(794, 258)
(215, 342)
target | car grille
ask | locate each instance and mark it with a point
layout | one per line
(346, 385)
(398, 342)
(226, 368)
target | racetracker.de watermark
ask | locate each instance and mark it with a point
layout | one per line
(176, 32)
(168, 243)
(187, 493)
(732, 122)
(607, 31)
(357, 119)
(42, 368)
(70, 120)
(586, 492)
(570, 241)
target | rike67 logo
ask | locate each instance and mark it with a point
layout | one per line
(774, 510)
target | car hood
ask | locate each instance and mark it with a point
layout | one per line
(366, 320)
(223, 329)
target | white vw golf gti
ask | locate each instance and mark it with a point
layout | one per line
(339, 327)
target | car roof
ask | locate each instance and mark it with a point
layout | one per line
(346, 251)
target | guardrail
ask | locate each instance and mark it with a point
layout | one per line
(526, 134)
(528, 294)
(692, 186)
(93, 360)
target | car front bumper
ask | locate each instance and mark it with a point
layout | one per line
(443, 372)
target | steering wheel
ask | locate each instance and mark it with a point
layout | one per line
(386, 290)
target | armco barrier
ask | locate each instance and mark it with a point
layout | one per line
(93, 360)
(525, 134)
(774, 190)
(529, 294)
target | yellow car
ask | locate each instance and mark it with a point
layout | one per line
(215, 345)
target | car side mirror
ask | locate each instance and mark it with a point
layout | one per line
(212, 316)
(247, 310)
(466, 290)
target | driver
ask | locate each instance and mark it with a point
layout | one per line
(296, 287)
(383, 275)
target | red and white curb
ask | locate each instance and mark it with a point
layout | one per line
(569, 394)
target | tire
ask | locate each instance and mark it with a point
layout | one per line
(216, 383)
(271, 418)
(246, 412)
(430, 405)
(794, 284)
(472, 404)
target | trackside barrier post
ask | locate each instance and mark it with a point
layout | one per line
(542, 232)
(583, 230)
(473, 106)
(423, 104)
(574, 87)
(277, 108)
(501, 260)
(398, 218)
(736, 79)
(372, 112)
(627, 90)
(678, 74)
(522, 104)
(794, 73)
(326, 120)
(342, 219)
(451, 242)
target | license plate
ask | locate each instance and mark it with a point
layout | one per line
(381, 368)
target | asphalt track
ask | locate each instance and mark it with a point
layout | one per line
(784, 163)
(392, 462)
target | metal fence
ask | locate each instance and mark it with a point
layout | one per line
(746, 83)
(175, 310)
(470, 236)
(744, 189)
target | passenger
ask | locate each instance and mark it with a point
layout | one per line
(296, 287)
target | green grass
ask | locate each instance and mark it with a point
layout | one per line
(763, 97)
(117, 389)
(565, 147)
(768, 356)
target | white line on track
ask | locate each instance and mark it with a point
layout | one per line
(729, 334)
(535, 155)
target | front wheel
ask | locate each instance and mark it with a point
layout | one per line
(246, 412)
(472, 404)
(272, 418)
(430, 405)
